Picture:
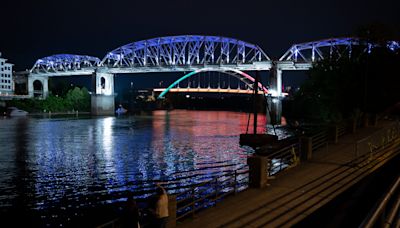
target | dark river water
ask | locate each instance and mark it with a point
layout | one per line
(48, 165)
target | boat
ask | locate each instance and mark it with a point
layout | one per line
(121, 110)
(13, 111)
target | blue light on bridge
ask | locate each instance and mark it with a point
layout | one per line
(393, 45)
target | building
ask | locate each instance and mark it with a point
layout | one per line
(6, 77)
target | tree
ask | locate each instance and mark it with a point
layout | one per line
(78, 99)
(338, 87)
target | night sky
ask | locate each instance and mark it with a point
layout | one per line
(35, 29)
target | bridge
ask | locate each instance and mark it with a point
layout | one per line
(194, 54)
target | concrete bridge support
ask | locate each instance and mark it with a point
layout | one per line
(38, 86)
(103, 94)
(258, 171)
(275, 100)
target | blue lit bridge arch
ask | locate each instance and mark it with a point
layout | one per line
(184, 51)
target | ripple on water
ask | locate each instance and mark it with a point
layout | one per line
(62, 166)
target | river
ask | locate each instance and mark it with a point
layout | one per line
(48, 165)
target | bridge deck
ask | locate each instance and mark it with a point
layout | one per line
(296, 193)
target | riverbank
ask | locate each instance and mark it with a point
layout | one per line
(59, 114)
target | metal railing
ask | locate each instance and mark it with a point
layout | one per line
(179, 183)
(283, 159)
(319, 139)
(377, 140)
(208, 193)
(112, 224)
(386, 210)
(341, 129)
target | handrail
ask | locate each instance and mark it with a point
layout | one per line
(392, 214)
(111, 224)
(147, 186)
(193, 200)
(284, 158)
(379, 210)
(319, 139)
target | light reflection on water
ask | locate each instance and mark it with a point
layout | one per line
(60, 161)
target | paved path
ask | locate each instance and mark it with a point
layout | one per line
(299, 191)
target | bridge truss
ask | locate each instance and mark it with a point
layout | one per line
(65, 63)
(334, 48)
(184, 51)
(196, 53)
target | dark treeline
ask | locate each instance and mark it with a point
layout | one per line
(348, 87)
(74, 99)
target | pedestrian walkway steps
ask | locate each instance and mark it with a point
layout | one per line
(295, 194)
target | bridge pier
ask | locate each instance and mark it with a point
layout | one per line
(274, 101)
(38, 86)
(102, 99)
(274, 114)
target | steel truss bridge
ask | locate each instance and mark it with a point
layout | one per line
(197, 54)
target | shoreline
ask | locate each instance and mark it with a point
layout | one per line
(49, 114)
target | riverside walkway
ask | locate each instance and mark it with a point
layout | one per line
(297, 192)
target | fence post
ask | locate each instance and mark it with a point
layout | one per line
(333, 133)
(193, 202)
(235, 182)
(356, 149)
(352, 126)
(365, 120)
(305, 148)
(172, 207)
(374, 120)
(216, 190)
(258, 171)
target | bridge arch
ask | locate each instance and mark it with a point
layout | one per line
(249, 80)
(184, 50)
